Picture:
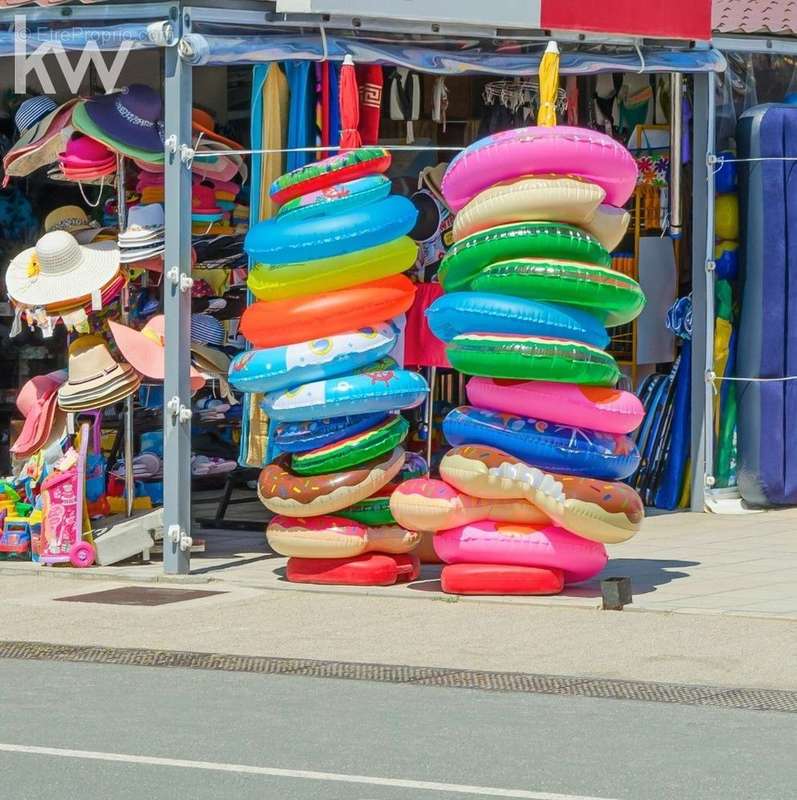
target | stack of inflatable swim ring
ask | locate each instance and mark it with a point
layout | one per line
(529, 294)
(327, 278)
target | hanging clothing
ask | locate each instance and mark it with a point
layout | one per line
(421, 347)
(370, 80)
(301, 122)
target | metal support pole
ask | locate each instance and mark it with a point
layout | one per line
(702, 287)
(676, 165)
(177, 310)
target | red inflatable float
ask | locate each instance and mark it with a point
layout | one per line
(500, 579)
(371, 569)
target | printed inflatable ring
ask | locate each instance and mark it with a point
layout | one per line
(545, 546)
(549, 447)
(503, 355)
(371, 569)
(283, 240)
(545, 199)
(299, 437)
(298, 319)
(608, 410)
(350, 452)
(381, 388)
(329, 171)
(563, 150)
(613, 297)
(335, 537)
(284, 493)
(277, 368)
(500, 579)
(338, 198)
(469, 312)
(603, 511)
(424, 504)
(372, 511)
(518, 240)
(332, 273)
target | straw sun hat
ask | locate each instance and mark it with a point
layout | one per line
(58, 269)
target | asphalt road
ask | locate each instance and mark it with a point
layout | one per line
(97, 732)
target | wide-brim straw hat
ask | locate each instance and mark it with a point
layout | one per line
(37, 402)
(203, 122)
(74, 220)
(85, 124)
(43, 143)
(59, 269)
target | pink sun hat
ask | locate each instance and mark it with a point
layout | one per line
(83, 152)
(37, 401)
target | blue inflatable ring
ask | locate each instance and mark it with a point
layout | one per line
(277, 368)
(545, 445)
(363, 393)
(299, 437)
(337, 199)
(283, 241)
(484, 312)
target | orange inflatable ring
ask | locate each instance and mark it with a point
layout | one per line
(300, 319)
(335, 537)
(284, 492)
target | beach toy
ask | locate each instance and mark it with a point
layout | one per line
(726, 216)
(562, 150)
(337, 199)
(298, 319)
(283, 492)
(371, 569)
(609, 225)
(328, 274)
(518, 240)
(505, 543)
(503, 355)
(373, 510)
(276, 368)
(500, 579)
(299, 437)
(329, 172)
(469, 312)
(598, 408)
(335, 537)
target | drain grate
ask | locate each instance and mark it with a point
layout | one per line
(138, 596)
(526, 683)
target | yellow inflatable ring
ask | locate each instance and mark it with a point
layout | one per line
(329, 274)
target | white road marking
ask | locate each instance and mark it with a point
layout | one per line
(245, 769)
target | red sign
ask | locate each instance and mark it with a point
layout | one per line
(675, 19)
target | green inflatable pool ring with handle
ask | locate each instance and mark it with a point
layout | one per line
(373, 511)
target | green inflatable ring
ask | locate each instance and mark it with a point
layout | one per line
(531, 358)
(373, 511)
(613, 297)
(470, 255)
(358, 449)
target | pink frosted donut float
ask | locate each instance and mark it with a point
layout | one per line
(593, 407)
(559, 150)
(544, 546)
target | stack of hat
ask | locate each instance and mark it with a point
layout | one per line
(85, 159)
(150, 187)
(205, 211)
(206, 329)
(60, 275)
(129, 122)
(95, 379)
(37, 401)
(144, 237)
(74, 220)
(43, 130)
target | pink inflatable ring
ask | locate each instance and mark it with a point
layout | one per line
(593, 407)
(524, 546)
(560, 150)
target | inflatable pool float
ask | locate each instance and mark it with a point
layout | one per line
(371, 569)
(372, 511)
(329, 172)
(284, 240)
(606, 512)
(598, 408)
(298, 319)
(335, 537)
(503, 355)
(299, 437)
(381, 388)
(549, 447)
(468, 312)
(562, 150)
(283, 492)
(425, 504)
(518, 240)
(609, 225)
(276, 368)
(500, 579)
(336, 199)
(328, 274)
(613, 297)
(357, 449)
(546, 546)
(545, 199)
